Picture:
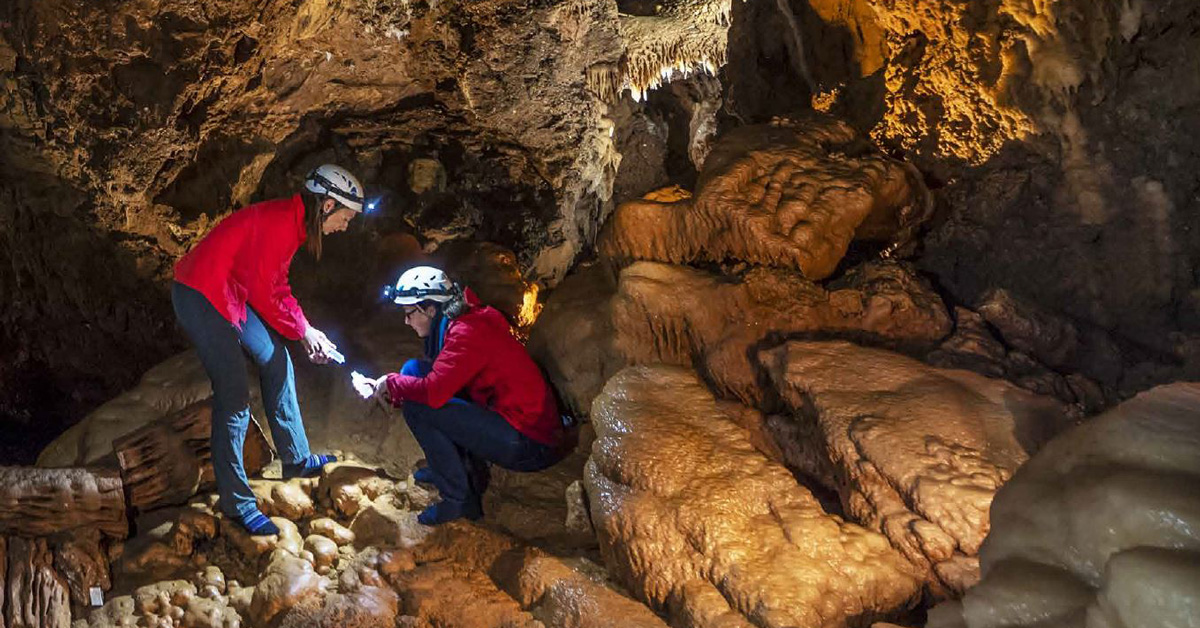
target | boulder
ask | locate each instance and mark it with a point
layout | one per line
(572, 339)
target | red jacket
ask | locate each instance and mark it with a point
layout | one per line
(245, 259)
(481, 357)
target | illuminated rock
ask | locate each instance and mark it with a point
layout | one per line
(684, 316)
(701, 525)
(678, 315)
(914, 451)
(1100, 528)
(791, 195)
(288, 581)
(511, 583)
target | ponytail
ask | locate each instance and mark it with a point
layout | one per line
(314, 218)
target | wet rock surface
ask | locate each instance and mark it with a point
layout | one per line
(704, 527)
(1099, 528)
(913, 451)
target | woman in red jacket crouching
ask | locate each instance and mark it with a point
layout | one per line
(231, 294)
(478, 397)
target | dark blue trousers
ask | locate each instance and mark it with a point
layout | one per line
(459, 435)
(220, 346)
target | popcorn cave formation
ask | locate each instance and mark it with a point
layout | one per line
(871, 314)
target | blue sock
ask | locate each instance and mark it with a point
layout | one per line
(257, 524)
(310, 467)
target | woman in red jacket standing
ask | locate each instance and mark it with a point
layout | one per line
(478, 397)
(231, 294)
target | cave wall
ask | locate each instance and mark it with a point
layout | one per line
(1058, 136)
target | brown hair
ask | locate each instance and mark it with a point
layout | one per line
(313, 218)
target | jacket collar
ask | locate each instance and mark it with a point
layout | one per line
(471, 298)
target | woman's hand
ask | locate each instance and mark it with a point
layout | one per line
(318, 345)
(381, 392)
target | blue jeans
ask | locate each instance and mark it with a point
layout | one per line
(220, 344)
(457, 435)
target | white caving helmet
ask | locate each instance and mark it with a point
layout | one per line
(337, 183)
(423, 283)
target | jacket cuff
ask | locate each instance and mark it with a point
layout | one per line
(395, 386)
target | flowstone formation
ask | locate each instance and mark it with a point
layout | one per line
(1100, 527)
(913, 451)
(678, 315)
(791, 194)
(701, 525)
(681, 315)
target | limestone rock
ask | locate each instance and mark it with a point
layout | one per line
(1054, 340)
(324, 551)
(473, 576)
(701, 525)
(1100, 527)
(573, 337)
(83, 563)
(574, 595)
(383, 524)
(348, 486)
(678, 315)
(365, 607)
(170, 543)
(913, 451)
(211, 579)
(169, 460)
(291, 499)
(40, 502)
(538, 507)
(444, 596)
(789, 195)
(331, 529)
(167, 388)
(288, 581)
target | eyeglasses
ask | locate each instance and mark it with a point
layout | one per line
(409, 311)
